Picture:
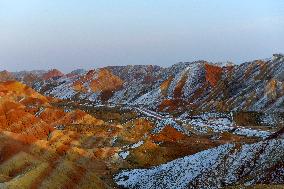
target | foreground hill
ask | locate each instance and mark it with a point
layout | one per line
(226, 165)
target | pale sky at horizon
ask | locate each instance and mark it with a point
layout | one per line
(71, 34)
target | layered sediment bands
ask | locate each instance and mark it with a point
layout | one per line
(48, 164)
(213, 74)
(52, 74)
(98, 80)
(6, 76)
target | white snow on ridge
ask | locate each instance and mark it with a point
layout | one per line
(168, 122)
(173, 175)
(133, 146)
(223, 124)
(136, 145)
(123, 154)
(195, 73)
(252, 133)
(214, 168)
(151, 98)
(39, 112)
(64, 91)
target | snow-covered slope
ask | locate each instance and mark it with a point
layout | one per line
(228, 164)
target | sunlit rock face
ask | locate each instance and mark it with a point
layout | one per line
(213, 74)
(52, 74)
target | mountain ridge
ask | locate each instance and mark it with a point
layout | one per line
(197, 85)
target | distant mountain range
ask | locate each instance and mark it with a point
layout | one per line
(193, 86)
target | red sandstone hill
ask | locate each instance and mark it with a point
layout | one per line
(6, 76)
(100, 80)
(52, 74)
(213, 74)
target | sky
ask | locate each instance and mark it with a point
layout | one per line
(72, 34)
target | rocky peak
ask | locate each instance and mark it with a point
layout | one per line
(213, 74)
(54, 73)
(6, 76)
(278, 57)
